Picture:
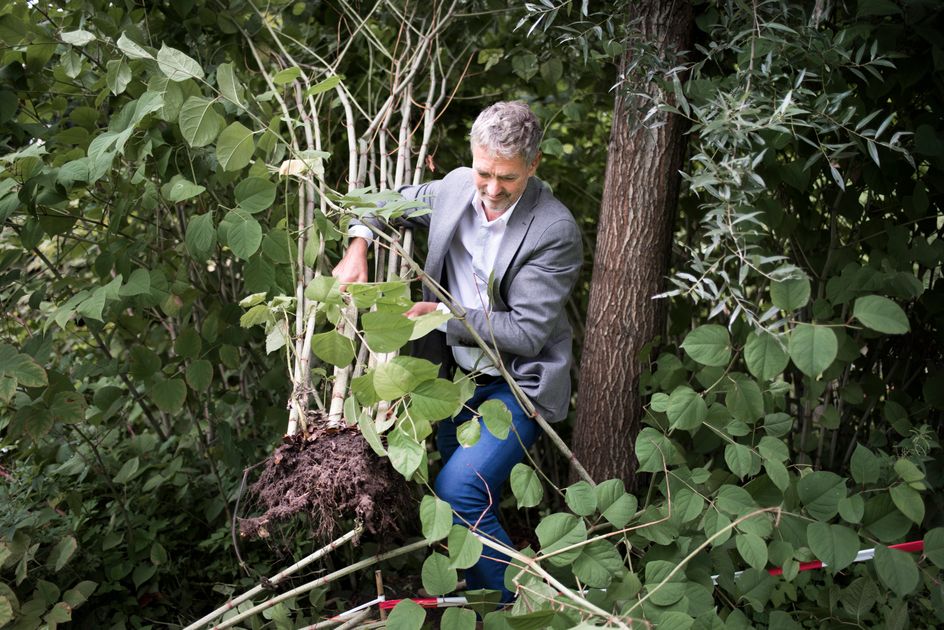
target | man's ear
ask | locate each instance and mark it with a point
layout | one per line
(534, 165)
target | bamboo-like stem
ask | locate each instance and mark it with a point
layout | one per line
(277, 578)
(403, 145)
(353, 622)
(429, 117)
(310, 586)
(347, 321)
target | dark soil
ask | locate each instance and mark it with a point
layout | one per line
(328, 476)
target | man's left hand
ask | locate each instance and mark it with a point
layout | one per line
(420, 308)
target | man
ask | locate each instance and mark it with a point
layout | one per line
(509, 253)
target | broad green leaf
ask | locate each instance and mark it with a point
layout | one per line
(131, 49)
(465, 548)
(496, 417)
(25, 370)
(598, 563)
(526, 486)
(328, 84)
(144, 362)
(127, 471)
(654, 450)
(435, 518)
(734, 500)
(881, 314)
(778, 474)
(258, 314)
(456, 618)
(243, 233)
(406, 454)
(559, 531)
(425, 324)
(199, 121)
(852, 508)
(438, 576)
(864, 465)
(177, 66)
(286, 76)
(907, 471)
(820, 492)
(813, 348)
(323, 289)
(744, 398)
(739, 459)
(234, 147)
(468, 433)
(773, 448)
(407, 615)
(753, 549)
(333, 347)
(369, 430)
(138, 283)
(835, 545)
(883, 520)
(401, 375)
(765, 356)
(59, 614)
(79, 594)
(188, 343)
(709, 345)
(434, 400)
(201, 236)
(229, 85)
(79, 37)
(169, 395)
(789, 295)
(614, 503)
(179, 189)
(62, 552)
(686, 409)
(386, 331)
(897, 570)
(118, 75)
(200, 375)
(581, 498)
(664, 590)
(860, 596)
(934, 546)
(68, 407)
(909, 502)
(255, 194)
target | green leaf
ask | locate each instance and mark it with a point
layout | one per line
(778, 474)
(434, 400)
(68, 407)
(664, 590)
(881, 314)
(333, 347)
(864, 465)
(188, 343)
(62, 552)
(127, 471)
(907, 471)
(438, 576)
(739, 459)
(852, 508)
(559, 531)
(820, 492)
(753, 549)
(909, 502)
(229, 85)
(60, 613)
(468, 433)
(200, 375)
(118, 75)
(243, 233)
(934, 546)
(496, 417)
(201, 236)
(435, 518)
(859, 597)
(142, 573)
(255, 194)
(456, 618)
(764, 355)
(897, 570)
(169, 395)
(131, 49)
(180, 189)
(328, 84)
(465, 548)
(734, 500)
(686, 410)
(614, 503)
(425, 324)
(654, 450)
(79, 594)
(406, 454)
(407, 615)
(286, 76)
(598, 563)
(401, 375)
(199, 121)
(790, 295)
(177, 66)
(581, 498)
(138, 283)
(144, 362)
(25, 370)
(835, 545)
(386, 331)
(323, 289)
(744, 398)
(709, 345)
(258, 314)
(79, 37)
(234, 147)
(526, 486)
(813, 348)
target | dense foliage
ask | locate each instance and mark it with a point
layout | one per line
(156, 231)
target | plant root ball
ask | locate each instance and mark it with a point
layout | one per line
(329, 476)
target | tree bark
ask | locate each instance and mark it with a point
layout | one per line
(637, 217)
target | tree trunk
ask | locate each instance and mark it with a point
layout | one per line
(637, 217)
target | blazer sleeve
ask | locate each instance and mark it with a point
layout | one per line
(536, 296)
(425, 193)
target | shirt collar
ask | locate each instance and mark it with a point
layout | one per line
(480, 210)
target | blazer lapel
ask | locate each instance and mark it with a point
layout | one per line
(443, 227)
(515, 232)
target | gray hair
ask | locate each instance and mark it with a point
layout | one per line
(508, 129)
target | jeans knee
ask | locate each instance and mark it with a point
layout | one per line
(462, 495)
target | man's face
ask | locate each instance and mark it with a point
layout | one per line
(500, 181)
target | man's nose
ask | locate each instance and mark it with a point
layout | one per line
(494, 188)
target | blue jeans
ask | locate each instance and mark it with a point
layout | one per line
(471, 479)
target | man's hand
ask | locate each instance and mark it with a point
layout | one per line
(420, 308)
(353, 266)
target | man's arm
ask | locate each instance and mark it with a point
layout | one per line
(536, 296)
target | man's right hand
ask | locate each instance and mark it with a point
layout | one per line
(353, 266)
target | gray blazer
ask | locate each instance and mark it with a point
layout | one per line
(536, 269)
